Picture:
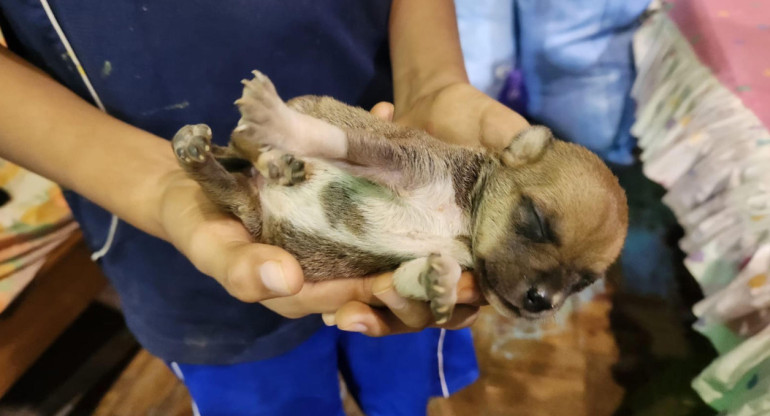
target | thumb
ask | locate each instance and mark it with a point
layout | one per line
(499, 125)
(383, 110)
(249, 271)
(255, 272)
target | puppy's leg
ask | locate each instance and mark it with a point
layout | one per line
(267, 121)
(433, 278)
(231, 192)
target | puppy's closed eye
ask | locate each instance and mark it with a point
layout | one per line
(533, 225)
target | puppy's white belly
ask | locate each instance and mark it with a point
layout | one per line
(425, 221)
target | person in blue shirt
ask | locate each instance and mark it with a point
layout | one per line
(89, 93)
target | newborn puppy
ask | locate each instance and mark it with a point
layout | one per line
(351, 195)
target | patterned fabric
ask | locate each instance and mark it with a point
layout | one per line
(32, 223)
(701, 140)
(731, 38)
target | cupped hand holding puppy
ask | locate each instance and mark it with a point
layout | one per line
(219, 246)
(461, 114)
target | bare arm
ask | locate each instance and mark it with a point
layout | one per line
(431, 87)
(425, 48)
(48, 129)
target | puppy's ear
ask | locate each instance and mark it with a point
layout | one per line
(527, 147)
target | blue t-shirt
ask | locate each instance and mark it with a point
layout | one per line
(161, 65)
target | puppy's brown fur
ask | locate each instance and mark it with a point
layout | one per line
(583, 215)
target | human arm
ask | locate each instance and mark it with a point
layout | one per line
(431, 88)
(132, 173)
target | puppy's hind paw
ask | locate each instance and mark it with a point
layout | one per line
(259, 105)
(439, 278)
(281, 168)
(265, 118)
(192, 144)
(259, 90)
(287, 170)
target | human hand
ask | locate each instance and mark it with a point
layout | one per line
(219, 245)
(461, 114)
(379, 310)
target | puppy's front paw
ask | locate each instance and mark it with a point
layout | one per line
(265, 118)
(192, 144)
(439, 278)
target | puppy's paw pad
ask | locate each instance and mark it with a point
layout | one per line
(286, 170)
(192, 144)
(440, 281)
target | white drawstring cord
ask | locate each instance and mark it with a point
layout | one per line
(83, 76)
(440, 353)
(108, 243)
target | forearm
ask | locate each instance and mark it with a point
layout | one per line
(49, 130)
(425, 48)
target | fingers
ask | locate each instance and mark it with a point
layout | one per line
(248, 271)
(324, 297)
(468, 291)
(402, 315)
(417, 314)
(359, 317)
(413, 313)
(383, 110)
(222, 248)
(257, 272)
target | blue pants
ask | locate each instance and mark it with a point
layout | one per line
(391, 376)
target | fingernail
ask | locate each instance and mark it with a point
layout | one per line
(272, 277)
(329, 319)
(357, 327)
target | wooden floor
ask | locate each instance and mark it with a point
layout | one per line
(566, 372)
(146, 388)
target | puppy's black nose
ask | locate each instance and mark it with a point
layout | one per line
(537, 301)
